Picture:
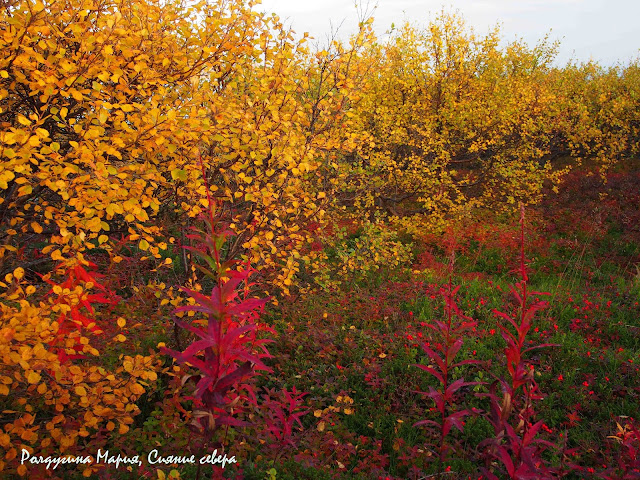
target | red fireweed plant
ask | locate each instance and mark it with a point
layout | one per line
(515, 444)
(228, 349)
(443, 355)
(282, 412)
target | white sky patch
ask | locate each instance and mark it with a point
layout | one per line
(605, 31)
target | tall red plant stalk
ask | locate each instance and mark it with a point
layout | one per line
(228, 350)
(451, 340)
(515, 444)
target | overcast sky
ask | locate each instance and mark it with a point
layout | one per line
(606, 31)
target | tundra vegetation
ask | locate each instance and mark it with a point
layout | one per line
(257, 256)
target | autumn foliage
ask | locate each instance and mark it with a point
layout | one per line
(125, 125)
(454, 121)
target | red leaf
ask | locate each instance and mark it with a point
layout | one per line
(506, 460)
(531, 433)
(432, 371)
(434, 356)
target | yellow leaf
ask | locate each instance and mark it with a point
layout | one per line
(36, 227)
(18, 273)
(33, 377)
(24, 190)
(178, 174)
(137, 389)
(143, 245)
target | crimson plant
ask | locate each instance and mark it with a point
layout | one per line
(228, 347)
(79, 279)
(443, 355)
(282, 412)
(515, 444)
